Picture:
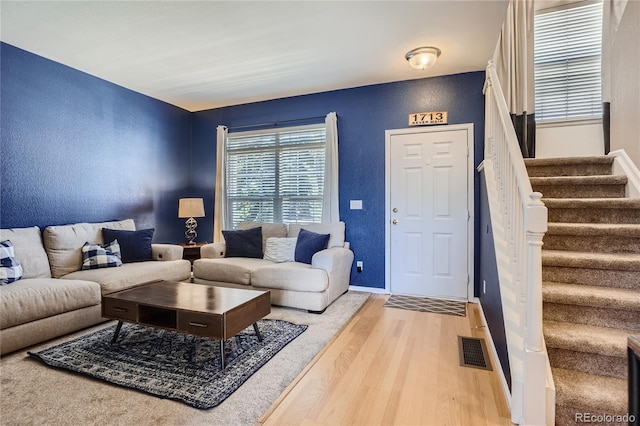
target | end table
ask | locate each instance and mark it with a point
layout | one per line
(191, 252)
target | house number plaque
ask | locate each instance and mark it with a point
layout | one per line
(422, 118)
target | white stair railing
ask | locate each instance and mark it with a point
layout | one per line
(519, 221)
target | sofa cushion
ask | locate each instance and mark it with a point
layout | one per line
(64, 243)
(268, 230)
(280, 249)
(229, 269)
(308, 244)
(335, 229)
(96, 256)
(292, 276)
(36, 298)
(10, 269)
(133, 274)
(29, 251)
(135, 246)
(243, 243)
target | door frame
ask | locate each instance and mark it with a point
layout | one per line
(470, 198)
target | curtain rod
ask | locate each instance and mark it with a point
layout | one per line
(275, 123)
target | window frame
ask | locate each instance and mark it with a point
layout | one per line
(568, 119)
(277, 148)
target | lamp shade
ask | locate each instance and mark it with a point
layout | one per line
(190, 207)
(422, 57)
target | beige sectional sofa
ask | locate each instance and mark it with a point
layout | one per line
(54, 296)
(298, 285)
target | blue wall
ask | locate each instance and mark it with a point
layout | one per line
(364, 113)
(75, 148)
(488, 272)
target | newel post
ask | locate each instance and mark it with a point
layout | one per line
(536, 226)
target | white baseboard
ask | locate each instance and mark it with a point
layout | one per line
(368, 289)
(496, 360)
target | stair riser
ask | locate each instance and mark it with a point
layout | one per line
(594, 215)
(600, 317)
(588, 362)
(596, 243)
(595, 277)
(581, 191)
(569, 170)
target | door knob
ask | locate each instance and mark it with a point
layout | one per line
(395, 210)
(394, 221)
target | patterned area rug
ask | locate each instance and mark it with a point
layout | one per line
(425, 304)
(169, 364)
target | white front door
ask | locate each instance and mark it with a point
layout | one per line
(428, 217)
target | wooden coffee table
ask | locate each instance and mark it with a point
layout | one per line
(201, 310)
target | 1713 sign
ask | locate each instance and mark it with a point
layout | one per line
(421, 118)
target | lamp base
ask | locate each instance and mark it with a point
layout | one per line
(191, 233)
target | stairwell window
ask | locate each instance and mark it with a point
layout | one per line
(275, 175)
(567, 58)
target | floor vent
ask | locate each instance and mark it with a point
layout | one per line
(472, 352)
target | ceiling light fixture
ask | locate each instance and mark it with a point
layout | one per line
(422, 57)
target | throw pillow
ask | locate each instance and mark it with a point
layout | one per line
(308, 244)
(135, 246)
(280, 249)
(10, 269)
(244, 243)
(96, 256)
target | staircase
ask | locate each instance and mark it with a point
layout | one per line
(591, 282)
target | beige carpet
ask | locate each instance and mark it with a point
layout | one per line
(34, 394)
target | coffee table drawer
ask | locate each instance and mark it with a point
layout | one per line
(119, 309)
(200, 324)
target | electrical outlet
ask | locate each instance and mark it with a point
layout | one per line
(359, 265)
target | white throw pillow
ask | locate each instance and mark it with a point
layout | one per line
(280, 249)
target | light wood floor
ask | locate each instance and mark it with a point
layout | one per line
(390, 366)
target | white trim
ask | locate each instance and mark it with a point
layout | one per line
(375, 290)
(622, 165)
(546, 124)
(496, 359)
(470, 198)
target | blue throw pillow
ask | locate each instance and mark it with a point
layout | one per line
(135, 246)
(243, 243)
(308, 244)
(96, 256)
(10, 269)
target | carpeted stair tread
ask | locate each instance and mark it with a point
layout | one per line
(579, 180)
(561, 161)
(586, 203)
(592, 393)
(586, 338)
(572, 166)
(624, 262)
(626, 230)
(586, 295)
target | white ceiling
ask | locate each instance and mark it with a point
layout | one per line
(207, 54)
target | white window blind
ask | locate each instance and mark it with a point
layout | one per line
(276, 176)
(567, 57)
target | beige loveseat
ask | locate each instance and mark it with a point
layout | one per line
(298, 285)
(54, 296)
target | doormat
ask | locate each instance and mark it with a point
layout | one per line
(426, 304)
(172, 365)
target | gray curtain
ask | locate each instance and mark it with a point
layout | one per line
(514, 65)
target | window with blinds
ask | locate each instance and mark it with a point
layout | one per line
(567, 57)
(275, 175)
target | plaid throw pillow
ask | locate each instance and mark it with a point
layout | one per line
(96, 256)
(10, 269)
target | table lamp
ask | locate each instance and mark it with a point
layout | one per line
(190, 208)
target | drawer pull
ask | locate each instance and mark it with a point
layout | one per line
(198, 324)
(115, 308)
